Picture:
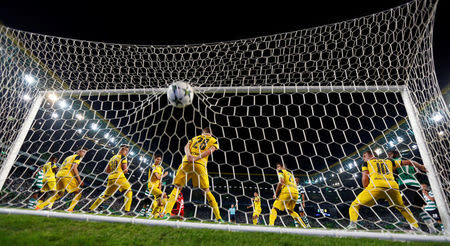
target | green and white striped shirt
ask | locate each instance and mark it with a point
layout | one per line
(301, 190)
(407, 175)
(431, 205)
(38, 178)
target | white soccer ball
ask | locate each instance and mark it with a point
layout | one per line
(180, 94)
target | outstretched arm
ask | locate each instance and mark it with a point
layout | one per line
(413, 163)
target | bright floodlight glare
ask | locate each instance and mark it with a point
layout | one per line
(414, 146)
(391, 143)
(79, 131)
(441, 133)
(106, 135)
(29, 79)
(52, 97)
(132, 153)
(378, 151)
(437, 117)
(399, 139)
(55, 115)
(112, 140)
(94, 126)
(63, 104)
(26, 97)
(79, 117)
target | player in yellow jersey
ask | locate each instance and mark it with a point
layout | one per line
(379, 183)
(158, 206)
(256, 204)
(155, 175)
(68, 179)
(197, 151)
(117, 168)
(287, 197)
(49, 180)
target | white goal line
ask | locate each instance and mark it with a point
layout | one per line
(228, 227)
(238, 89)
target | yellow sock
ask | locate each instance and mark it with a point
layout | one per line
(408, 216)
(255, 221)
(49, 202)
(273, 216)
(74, 202)
(128, 200)
(172, 200)
(212, 202)
(297, 218)
(97, 202)
(353, 212)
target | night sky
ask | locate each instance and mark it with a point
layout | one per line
(134, 23)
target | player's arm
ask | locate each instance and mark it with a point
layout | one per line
(108, 168)
(303, 200)
(205, 153)
(76, 173)
(251, 204)
(365, 178)
(165, 174)
(279, 186)
(124, 166)
(413, 163)
(187, 151)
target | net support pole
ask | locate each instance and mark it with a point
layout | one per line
(12, 155)
(424, 151)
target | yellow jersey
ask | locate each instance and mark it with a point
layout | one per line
(381, 172)
(115, 167)
(151, 177)
(199, 144)
(289, 182)
(257, 203)
(66, 167)
(156, 209)
(49, 175)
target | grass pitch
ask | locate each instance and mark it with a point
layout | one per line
(38, 230)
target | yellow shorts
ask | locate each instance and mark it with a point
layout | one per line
(370, 195)
(70, 184)
(113, 185)
(286, 200)
(49, 186)
(154, 190)
(196, 172)
(256, 213)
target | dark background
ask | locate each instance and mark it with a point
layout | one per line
(174, 23)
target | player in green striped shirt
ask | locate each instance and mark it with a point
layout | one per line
(300, 204)
(36, 188)
(431, 210)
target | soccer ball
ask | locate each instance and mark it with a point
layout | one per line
(180, 94)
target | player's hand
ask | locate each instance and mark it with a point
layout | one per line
(275, 196)
(190, 158)
(81, 183)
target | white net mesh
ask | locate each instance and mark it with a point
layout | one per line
(294, 97)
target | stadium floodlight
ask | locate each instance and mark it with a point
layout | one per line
(106, 135)
(29, 79)
(79, 116)
(52, 97)
(391, 143)
(378, 151)
(26, 98)
(63, 104)
(399, 139)
(414, 146)
(437, 117)
(441, 133)
(94, 126)
(55, 115)
(79, 131)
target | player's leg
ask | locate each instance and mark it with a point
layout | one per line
(124, 186)
(60, 188)
(290, 205)
(255, 217)
(277, 205)
(202, 178)
(111, 188)
(179, 181)
(73, 187)
(366, 197)
(394, 197)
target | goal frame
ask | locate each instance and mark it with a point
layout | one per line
(411, 110)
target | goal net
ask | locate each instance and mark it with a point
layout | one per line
(314, 99)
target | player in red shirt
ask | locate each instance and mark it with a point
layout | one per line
(179, 210)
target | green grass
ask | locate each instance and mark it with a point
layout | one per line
(37, 230)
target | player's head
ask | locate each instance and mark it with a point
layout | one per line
(232, 205)
(255, 194)
(164, 195)
(394, 154)
(81, 152)
(424, 186)
(368, 155)
(54, 159)
(297, 180)
(157, 158)
(207, 131)
(124, 150)
(280, 166)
